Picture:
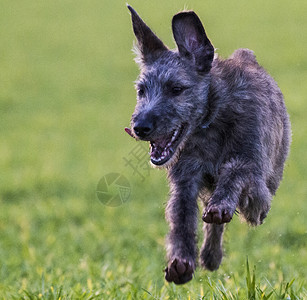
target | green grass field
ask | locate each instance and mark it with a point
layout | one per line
(66, 93)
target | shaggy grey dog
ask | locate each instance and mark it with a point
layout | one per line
(219, 127)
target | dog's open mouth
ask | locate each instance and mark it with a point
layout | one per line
(164, 148)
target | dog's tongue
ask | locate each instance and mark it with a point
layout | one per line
(128, 130)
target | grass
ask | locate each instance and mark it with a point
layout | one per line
(66, 93)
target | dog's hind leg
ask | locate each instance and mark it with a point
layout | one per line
(256, 204)
(211, 252)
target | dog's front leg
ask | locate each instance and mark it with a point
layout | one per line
(234, 178)
(181, 213)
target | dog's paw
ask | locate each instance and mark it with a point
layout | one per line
(218, 214)
(179, 271)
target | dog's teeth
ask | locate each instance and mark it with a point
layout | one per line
(175, 135)
(157, 159)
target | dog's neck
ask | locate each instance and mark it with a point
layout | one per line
(213, 107)
(209, 119)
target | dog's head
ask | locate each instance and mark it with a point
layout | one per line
(172, 87)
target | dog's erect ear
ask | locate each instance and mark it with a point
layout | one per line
(192, 41)
(149, 45)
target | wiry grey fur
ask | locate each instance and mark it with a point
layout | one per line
(219, 127)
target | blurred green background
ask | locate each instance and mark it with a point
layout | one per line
(66, 93)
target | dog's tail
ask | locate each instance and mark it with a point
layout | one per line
(244, 55)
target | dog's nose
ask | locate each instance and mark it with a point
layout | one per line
(143, 128)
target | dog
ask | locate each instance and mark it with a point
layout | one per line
(218, 126)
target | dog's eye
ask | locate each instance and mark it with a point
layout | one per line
(141, 91)
(177, 90)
